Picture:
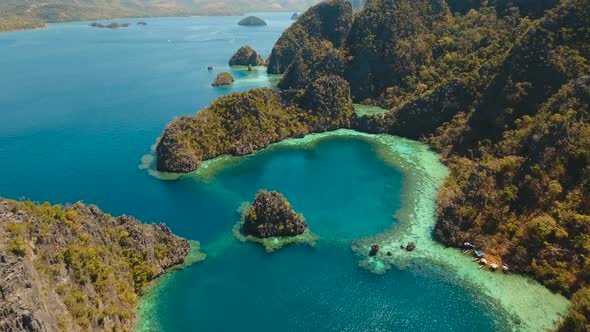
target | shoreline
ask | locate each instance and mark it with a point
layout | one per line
(531, 306)
(145, 309)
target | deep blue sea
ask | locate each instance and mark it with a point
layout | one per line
(80, 106)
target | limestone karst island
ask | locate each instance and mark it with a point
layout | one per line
(301, 165)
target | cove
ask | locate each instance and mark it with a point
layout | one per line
(432, 288)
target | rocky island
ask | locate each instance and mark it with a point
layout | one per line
(271, 215)
(77, 268)
(509, 117)
(252, 21)
(271, 221)
(223, 78)
(246, 56)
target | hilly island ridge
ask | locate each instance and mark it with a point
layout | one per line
(501, 92)
(482, 107)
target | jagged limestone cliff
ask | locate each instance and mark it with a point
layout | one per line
(76, 268)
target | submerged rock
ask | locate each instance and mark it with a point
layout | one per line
(141, 23)
(411, 246)
(295, 16)
(209, 67)
(374, 250)
(224, 78)
(271, 215)
(246, 56)
(252, 21)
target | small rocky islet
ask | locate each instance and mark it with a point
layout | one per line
(223, 78)
(271, 221)
(252, 21)
(246, 56)
(271, 215)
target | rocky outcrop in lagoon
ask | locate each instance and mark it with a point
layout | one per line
(271, 215)
(246, 56)
(77, 268)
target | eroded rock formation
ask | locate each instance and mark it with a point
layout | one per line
(271, 215)
(76, 268)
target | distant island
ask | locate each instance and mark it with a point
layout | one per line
(252, 21)
(60, 266)
(113, 25)
(271, 221)
(510, 118)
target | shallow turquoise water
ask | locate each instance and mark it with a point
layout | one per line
(79, 108)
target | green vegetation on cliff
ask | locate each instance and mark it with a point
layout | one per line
(324, 26)
(77, 268)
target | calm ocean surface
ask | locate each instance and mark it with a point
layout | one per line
(80, 106)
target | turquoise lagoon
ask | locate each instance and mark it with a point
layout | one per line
(81, 106)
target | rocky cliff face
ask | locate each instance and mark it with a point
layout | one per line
(329, 21)
(76, 268)
(271, 215)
